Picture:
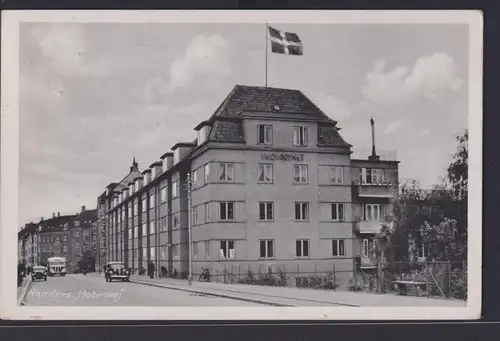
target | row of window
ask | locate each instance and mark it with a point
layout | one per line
(371, 212)
(227, 249)
(265, 135)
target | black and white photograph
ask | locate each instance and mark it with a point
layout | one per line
(241, 165)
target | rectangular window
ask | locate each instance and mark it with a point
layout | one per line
(144, 229)
(65, 248)
(374, 212)
(152, 201)
(300, 174)
(300, 136)
(135, 209)
(226, 211)
(195, 215)
(163, 194)
(136, 231)
(266, 211)
(208, 252)
(195, 178)
(265, 173)
(377, 176)
(65, 238)
(266, 248)
(175, 188)
(338, 247)
(265, 134)
(130, 231)
(337, 175)
(176, 219)
(77, 233)
(207, 173)
(337, 212)
(227, 249)
(144, 205)
(302, 211)
(130, 211)
(195, 249)
(152, 252)
(207, 211)
(226, 171)
(152, 227)
(302, 248)
(366, 248)
(163, 224)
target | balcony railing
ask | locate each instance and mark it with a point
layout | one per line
(368, 226)
(375, 190)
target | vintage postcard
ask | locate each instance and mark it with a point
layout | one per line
(241, 165)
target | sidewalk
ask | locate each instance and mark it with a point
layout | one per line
(287, 296)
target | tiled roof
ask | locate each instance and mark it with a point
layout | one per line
(263, 99)
(329, 136)
(88, 215)
(227, 131)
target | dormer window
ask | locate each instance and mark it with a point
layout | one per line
(177, 156)
(265, 134)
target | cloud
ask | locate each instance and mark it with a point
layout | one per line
(65, 47)
(393, 127)
(429, 76)
(333, 106)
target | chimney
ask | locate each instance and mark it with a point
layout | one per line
(53, 215)
(58, 214)
(374, 156)
(135, 166)
(167, 160)
(83, 208)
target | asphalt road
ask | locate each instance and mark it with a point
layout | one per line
(80, 290)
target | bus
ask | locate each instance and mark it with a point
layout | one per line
(56, 266)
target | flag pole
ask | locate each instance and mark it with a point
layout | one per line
(267, 47)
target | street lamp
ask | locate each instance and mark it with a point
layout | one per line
(190, 248)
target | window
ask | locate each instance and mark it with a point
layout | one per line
(265, 173)
(144, 253)
(301, 211)
(302, 248)
(144, 205)
(195, 215)
(65, 248)
(152, 201)
(226, 171)
(176, 220)
(300, 174)
(372, 176)
(135, 210)
(266, 248)
(130, 231)
(152, 252)
(337, 212)
(175, 250)
(152, 227)
(130, 211)
(266, 211)
(227, 249)
(144, 229)
(163, 227)
(163, 194)
(300, 136)
(207, 211)
(337, 175)
(207, 249)
(136, 231)
(77, 233)
(65, 238)
(374, 212)
(195, 249)
(207, 172)
(226, 211)
(366, 248)
(338, 247)
(264, 134)
(195, 178)
(175, 187)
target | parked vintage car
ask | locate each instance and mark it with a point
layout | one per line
(39, 272)
(116, 270)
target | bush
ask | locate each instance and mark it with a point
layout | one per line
(354, 286)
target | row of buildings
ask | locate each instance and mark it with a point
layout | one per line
(268, 181)
(73, 237)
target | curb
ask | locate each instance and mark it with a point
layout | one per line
(20, 299)
(214, 294)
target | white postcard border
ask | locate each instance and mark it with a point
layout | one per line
(9, 176)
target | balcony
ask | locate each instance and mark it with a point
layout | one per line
(368, 227)
(374, 190)
(368, 262)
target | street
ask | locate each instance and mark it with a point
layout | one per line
(80, 290)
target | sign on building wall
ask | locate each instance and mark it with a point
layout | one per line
(282, 157)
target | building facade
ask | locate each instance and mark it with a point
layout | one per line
(269, 182)
(68, 236)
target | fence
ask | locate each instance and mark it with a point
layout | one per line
(435, 279)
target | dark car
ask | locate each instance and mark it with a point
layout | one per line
(39, 272)
(116, 270)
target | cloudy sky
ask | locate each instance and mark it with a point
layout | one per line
(93, 96)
